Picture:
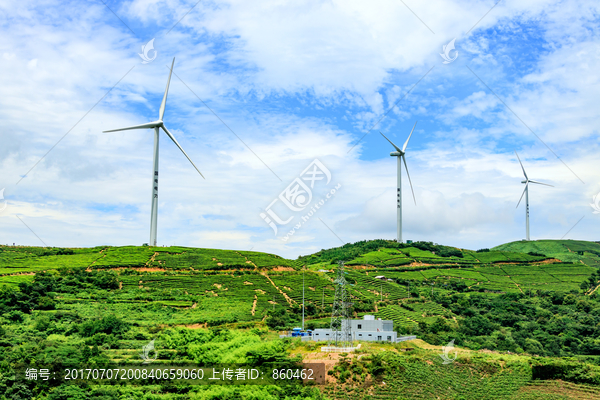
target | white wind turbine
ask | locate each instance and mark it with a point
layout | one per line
(527, 181)
(401, 157)
(156, 125)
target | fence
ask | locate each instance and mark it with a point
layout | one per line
(333, 349)
(302, 338)
(405, 338)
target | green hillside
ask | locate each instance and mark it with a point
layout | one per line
(536, 300)
(564, 250)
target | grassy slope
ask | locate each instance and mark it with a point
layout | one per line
(564, 250)
(204, 278)
(420, 374)
(183, 286)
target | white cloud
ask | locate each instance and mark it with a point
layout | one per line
(278, 75)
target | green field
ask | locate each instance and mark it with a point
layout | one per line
(565, 250)
(104, 303)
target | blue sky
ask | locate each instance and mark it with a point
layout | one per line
(291, 83)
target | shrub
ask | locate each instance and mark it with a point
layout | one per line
(533, 253)
(109, 324)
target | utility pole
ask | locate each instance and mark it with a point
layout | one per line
(323, 301)
(381, 291)
(303, 299)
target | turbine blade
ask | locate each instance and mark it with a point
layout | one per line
(163, 105)
(524, 173)
(406, 143)
(147, 125)
(522, 194)
(396, 147)
(540, 183)
(180, 148)
(411, 188)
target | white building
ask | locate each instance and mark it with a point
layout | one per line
(369, 329)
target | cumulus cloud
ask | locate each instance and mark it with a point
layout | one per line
(294, 82)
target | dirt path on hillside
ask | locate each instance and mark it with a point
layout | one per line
(143, 269)
(289, 300)
(518, 287)
(248, 261)
(151, 260)
(195, 326)
(89, 268)
(254, 304)
(592, 292)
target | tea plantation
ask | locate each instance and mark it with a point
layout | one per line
(526, 316)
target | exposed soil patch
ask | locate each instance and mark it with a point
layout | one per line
(329, 359)
(196, 326)
(548, 261)
(420, 264)
(360, 266)
(19, 273)
(248, 283)
(280, 268)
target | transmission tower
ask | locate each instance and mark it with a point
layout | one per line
(341, 329)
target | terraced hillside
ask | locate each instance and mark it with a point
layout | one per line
(565, 250)
(210, 286)
(107, 302)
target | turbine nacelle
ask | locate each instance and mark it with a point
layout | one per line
(397, 154)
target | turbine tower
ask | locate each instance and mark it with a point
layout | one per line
(400, 154)
(157, 125)
(527, 181)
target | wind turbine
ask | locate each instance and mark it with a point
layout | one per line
(401, 157)
(156, 125)
(527, 181)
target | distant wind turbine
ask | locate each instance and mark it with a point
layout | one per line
(156, 125)
(527, 181)
(401, 157)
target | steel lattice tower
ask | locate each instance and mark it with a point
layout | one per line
(341, 328)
